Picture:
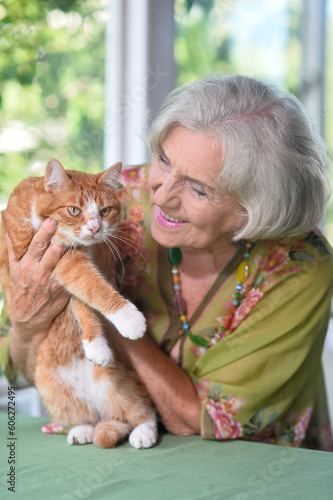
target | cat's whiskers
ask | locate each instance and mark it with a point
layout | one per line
(123, 231)
(130, 242)
(111, 246)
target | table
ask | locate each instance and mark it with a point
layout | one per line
(181, 468)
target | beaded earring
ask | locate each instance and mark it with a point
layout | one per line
(242, 274)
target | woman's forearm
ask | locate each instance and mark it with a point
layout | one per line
(23, 352)
(170, 388)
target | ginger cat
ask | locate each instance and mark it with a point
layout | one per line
(81, 383)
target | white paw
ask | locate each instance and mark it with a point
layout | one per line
(98, 351)
(144, 435)
(80, 434)
(129, 321)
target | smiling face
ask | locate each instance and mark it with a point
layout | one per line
(188, 208)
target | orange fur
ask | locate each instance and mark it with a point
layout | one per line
(106, 402)
(108, 432)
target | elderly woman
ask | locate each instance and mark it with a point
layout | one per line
(222, 253)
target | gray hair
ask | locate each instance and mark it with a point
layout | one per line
(274, 163)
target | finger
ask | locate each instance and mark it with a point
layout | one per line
(52, 256)
(11, 254)
(42, 239)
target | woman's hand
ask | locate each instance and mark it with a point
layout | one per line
(35, 299)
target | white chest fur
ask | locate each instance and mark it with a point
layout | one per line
(79, 377)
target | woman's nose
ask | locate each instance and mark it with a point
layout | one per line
(164, 189)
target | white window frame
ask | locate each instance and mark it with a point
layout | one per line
(140, 72)
(313, 60)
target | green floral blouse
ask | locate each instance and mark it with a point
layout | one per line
(263, 380)
(260, 382)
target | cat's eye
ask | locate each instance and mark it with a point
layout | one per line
(74, 211)
(105, 211)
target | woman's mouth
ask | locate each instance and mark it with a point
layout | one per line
(167, 220)
(169, 217)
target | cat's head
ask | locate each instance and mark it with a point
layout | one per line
(85, 205)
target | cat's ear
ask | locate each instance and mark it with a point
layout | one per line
(111, 175)
(55, 177)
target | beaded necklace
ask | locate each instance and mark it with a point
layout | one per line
(242, 274)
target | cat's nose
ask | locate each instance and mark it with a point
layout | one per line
(93, 227)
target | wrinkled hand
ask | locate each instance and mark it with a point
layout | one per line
(36, 298)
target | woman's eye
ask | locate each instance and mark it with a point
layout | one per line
(199, 191)
(162, 159)
(74, 211)
(105, 211)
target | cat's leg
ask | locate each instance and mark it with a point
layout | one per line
(140, 414)
(144, 435)
(94, 343)
(81, 434)
(77, 273)
(108, 432)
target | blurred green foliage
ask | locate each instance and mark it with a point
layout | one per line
(52, 86)
(209, 38)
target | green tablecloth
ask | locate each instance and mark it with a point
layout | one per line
(177, 468)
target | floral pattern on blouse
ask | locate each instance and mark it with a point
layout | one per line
(132, 180)
(268, 272)
(289, 430)
(131, 231)
(222, 410)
